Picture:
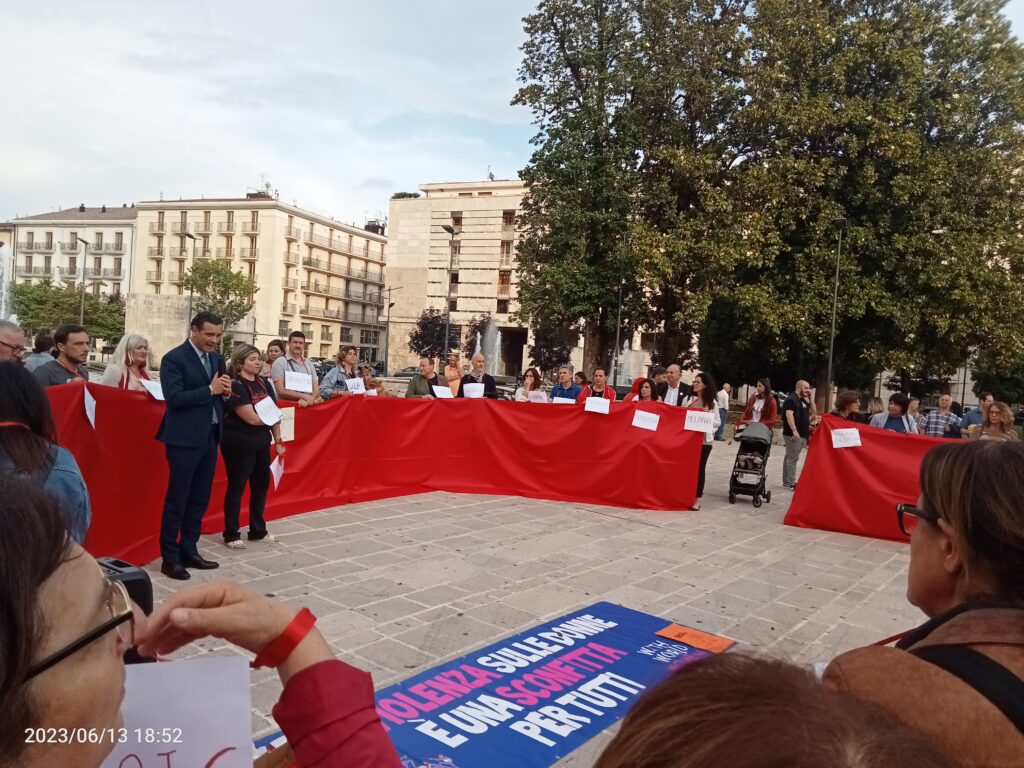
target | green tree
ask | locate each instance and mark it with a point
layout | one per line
(43, 306)
(405, 195)
(427, 338)
(552, 347)
(477, 326)
(216, 288)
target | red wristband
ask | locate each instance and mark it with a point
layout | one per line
(282, 646)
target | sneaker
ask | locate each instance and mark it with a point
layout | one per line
(236, 544)
(269, 538)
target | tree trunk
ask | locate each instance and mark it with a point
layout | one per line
(821, 389)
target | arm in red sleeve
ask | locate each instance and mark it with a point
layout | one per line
(327, 712)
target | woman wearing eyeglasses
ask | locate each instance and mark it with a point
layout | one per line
(958, 677)
(64, 628)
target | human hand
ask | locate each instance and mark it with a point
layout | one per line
(220, 384)
(302, 403)
(281, 450)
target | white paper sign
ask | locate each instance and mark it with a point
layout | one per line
(700, 421)
(846, 438)
(153, 387)
(443, 392)
(198, 710)
(90, 406)
(473, 390)
(276, 470)
(596, 405)
(536, 396)
(287, 425)
(298, 382)
(268, 411)
(373, 392)
(563, 400)
(355, 385)
(646, 420)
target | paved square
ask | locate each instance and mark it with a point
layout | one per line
(402, 584)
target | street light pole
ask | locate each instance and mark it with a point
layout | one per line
(81, 306)
(448, 291)
(841, 223)
(618, 328)
(387, 325)
(188, 320)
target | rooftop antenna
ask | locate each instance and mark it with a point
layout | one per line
(490, 175)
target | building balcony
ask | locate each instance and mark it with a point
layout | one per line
(157, 227)
(326, 337)
(104, 274)
(157, 253)
(71, 247)
(36, 247)
(290, 283)
(226, 227)
(203, 227)
(179, 227)
(31, 271)
(322, 289)
(155, 277)
(508, 231)
(505, 262)
(330, 314)
(288, 309)
(292, 233)
(366, 298)
(176, 278)
(204, 253)
(291, 258)
(177, 253)
(69, 273)
(250, 227)
(503, 291)
(250, 254)
(225, 253)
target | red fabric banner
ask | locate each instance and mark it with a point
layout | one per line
(357, 449)
(856, 490)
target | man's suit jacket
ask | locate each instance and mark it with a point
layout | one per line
(684, 391)
(186, 389)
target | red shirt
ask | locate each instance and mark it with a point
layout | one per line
(608, 394)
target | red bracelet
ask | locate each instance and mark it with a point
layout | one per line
(281, 647)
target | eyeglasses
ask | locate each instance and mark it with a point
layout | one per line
(17, 350)
(122, 618)
(907, 524)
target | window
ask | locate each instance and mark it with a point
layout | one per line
(453, 305)
(508, 218)
(368, 337)
(505, 279)
(160, 244)
(73, 240)
(96, 289)
(456, 253)
(506, 248)
(206, 245)
(97, 263)
(325, 331)
(184, 218)
(119, 240)
(117, 289)
(49, 239)
(98, 241)
(160, 219)
(325, 350)
(206, 220)
(255, 218)
(181, 290)
(484, 194)
(181, 245)
(291, 222)
(502, 307)
(283, 328)
(73, 264)
(31, 239)
(455, 278)
(156, 289)
(231, 217)
(456, 219)
(346, 335)
(307, 329)
(47, 263)
(117, 265)
(465, 194)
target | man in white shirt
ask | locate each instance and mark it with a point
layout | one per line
(722, 399)
(294, 362)
(672, 391)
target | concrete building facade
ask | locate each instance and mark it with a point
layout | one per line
(314, 274)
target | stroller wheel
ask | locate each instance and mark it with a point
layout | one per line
(768, 497)
(732, 497)
(757, 501)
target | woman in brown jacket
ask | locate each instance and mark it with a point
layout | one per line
(958, 677)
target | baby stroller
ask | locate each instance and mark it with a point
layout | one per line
(748, 472)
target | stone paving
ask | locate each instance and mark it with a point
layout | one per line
(402, 584)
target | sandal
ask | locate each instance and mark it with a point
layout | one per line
(696, 506)
(236, 544)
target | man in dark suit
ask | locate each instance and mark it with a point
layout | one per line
(193, 378)
(673, 391)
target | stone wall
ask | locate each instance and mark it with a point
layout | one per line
(161, 319)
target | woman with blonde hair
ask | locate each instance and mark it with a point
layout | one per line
(127, 366)
(997, 424)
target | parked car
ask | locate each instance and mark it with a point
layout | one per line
(406, 373)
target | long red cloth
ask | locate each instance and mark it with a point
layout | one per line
(856, 490)
(357, 449)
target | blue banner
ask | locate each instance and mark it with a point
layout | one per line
(530, 700)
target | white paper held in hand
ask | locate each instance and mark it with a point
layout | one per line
(90, 406)
(700, 421)
(153, 387)
(287, 425)
(536, 396)
(646, 420)
(162, 699)
(563, 401)
(373, 392)
(276, 470)
(596, 405)
(355, 385)
(298, 382)
(846, 438)
(442, 393)
(268, 411)
(473, 390)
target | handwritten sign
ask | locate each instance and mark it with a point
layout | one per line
(268, 411)
(355, 385)
(153, 387)
(596, 405)
(276, 470)
(846, 438)
(696, 639)
(536, 396)
(473, 390)
(287, 425)
(646, 420)
(298, 382)
(164, 727)
(563, 401)
(700, 421)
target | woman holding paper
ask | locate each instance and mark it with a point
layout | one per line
(531, 384)
(597, 388)
(251, 416)
(703, 397)
(127, 367)
(374, 387)
(336, 381)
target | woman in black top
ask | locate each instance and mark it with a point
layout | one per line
(244, 446)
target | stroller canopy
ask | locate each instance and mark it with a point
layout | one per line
(757, 433)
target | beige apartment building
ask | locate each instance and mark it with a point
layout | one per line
(94, 245)
(478, 255)
(314, 274)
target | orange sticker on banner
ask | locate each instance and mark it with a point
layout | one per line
(697, 639)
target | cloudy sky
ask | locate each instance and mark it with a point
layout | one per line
(336, 104)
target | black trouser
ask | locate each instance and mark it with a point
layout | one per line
(252, 466)
(189, 481)
(705, 451)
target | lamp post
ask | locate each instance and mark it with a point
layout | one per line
(188, 320)
(448, 291)
(841, 223)
(618, 329)
(81, 306)
(387, 325)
